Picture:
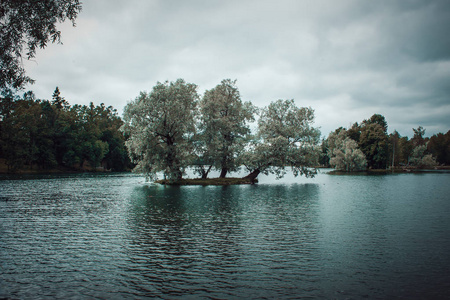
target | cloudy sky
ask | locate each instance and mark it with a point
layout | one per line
(346, 59)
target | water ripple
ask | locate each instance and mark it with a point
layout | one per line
(113, 237)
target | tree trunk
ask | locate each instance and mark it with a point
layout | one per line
(205, 173)
(223, 173)
(179, 175)
(252, 176)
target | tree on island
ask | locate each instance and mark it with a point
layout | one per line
(30, 23)
(224, 126)
(285, 139)
(163, 136)
(161, 127)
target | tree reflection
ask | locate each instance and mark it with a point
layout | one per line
(203, 236)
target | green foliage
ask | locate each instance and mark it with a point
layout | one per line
(394, 149)
(344, 153)
(223, 126)
(418, 151)
(373, 141)
(161, 127)
(285, 138)
(44, 134)
(421, 159)
(418, 138)
(439, 146)
(324, 160)
(26, 25)
(59, 102)
(382, 150)
(354, 132)
(377, 119)
(405, 148)
(20, 136)
(163, 136)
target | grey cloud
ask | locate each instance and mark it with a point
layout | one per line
(347, 59)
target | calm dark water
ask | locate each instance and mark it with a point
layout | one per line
(332, 237)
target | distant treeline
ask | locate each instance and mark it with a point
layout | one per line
(368, 145)
(45, 135)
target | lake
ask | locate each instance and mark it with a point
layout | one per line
(114, 236)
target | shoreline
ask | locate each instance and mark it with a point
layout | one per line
(209, 181)
(216, 181)
(51, 171)
(396, 170)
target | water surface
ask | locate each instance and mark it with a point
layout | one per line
(336, 237)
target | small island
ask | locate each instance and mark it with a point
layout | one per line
(168, 130)
(209, 181)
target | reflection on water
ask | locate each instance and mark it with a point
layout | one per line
(235, 239)
(114, 236)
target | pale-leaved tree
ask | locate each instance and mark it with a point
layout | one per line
(344, 153)
(420, 159)
(224, 126)
(285, 140)
(160, 126)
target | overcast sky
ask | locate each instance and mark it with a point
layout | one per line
(346, 59)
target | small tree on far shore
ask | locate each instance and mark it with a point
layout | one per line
(420, 159)
(344, 153)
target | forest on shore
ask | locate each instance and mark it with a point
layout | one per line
(52, 135)
(369, 146)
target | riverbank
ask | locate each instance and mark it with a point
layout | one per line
(396, 170)
(35, 170)
(49, 171)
